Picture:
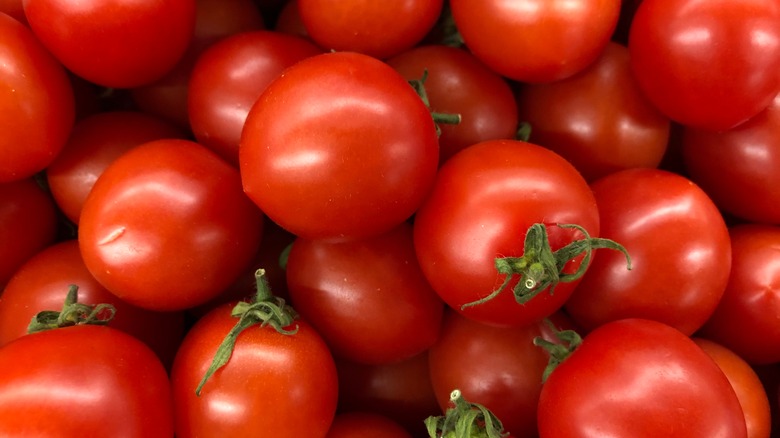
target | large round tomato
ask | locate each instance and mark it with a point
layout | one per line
(339, 146)
(639, 378)
(485, 199)
(167, 227)
(707, 63)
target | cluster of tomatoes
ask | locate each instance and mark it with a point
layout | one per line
(339, 218)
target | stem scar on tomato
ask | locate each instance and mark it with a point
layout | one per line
(465, 420)
(540, 267)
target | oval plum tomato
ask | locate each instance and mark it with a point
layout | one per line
(458, 83)
(228, 78)
(751, 303)
(598, 119)
(739, 168)
(43, 281)
(344, 289)
(94, 143)
(364, 424)
(485, 199)
(679, 246)
(167, 227)
(536, 40)
(340, 146)
(747, 385)
(36, 101)
(110, 385)
(377, 29)
(687, 55)
(114, 43)
(28, 224)
(639, 378)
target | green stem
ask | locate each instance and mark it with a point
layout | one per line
(438, 118)
(523, 132)
(465, 420)
(72, 313)
(559, 351)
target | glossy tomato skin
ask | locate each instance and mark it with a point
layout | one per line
(598, 119)
(118, 389)
(727, 167)
(362, 424)
(484, 200)
(679, 247)
(687, 55)
(228, 78)
(167, 227)
(745, 320)
(36, 101)
(284, 385)
(639, 378)
(116, 43)
(536, 40)
(338, 147)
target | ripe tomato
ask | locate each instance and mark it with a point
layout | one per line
(111, 384)
(114, 43)
(338, 147)
(363, 424)
(167, 227)
(639, 378)
(687, 56)
(36, 103)
(484, 200)
(598, 119)
(536, 40)
(378, 29)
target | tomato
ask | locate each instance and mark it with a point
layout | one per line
(751, 302)
(95, 142)
(14, 9)
(483, 202)
(338, 147)
(363, 424)
(679, 246)
(536, 40)
(36, 101)
(114, 43)
(229, 77)
(639, 378)
(344, 288)
(289, 20)
(458, 83)
(598, 119)
(746, 384)
(111, 384)
(28, 223)
(687, 56)
(739, 168)
(167, 233)
(378, 29)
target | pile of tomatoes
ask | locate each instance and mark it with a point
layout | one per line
(322, 218)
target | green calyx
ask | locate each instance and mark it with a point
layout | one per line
(465, 420)
(438, 118)
(72, 313)
(540, 267)
(569, 340)
(264, 310)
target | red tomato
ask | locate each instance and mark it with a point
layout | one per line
(739, 168)
(679, 246)
(378, 29)
(484, 200)
(639, 378)
(363, 425)
(95, 142)
(345, 289)
(746, 384)
(536, 40)
(114, 43)
(36, 101)
(111, 384)
(687, 56)
(745, 320)
(167, 227)
(458, 83)
(599, 120)
(283, 385)
(28, 223)
(229, 77)
(14, 9)
(339, 147)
